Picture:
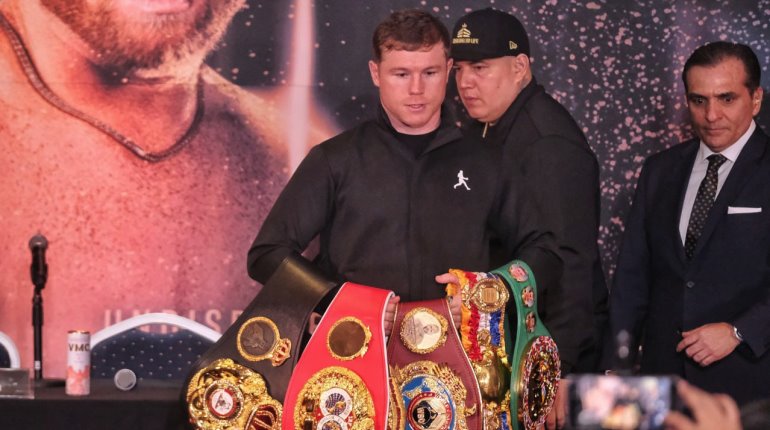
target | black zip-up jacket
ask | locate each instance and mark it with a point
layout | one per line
(392, 220)
(545, 151)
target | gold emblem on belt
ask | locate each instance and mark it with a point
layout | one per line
(225, 395)
(259, 339)
(423, 330)
(348, 338)
(334, 398)
(489, 295)
(428, 396)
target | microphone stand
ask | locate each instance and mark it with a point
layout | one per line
(39, 272)
(37, 325)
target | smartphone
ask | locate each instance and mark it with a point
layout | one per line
(621, 402)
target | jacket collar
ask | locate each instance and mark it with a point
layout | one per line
(447, 129)
(500, 129)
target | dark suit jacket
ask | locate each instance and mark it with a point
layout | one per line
(657, 292)
(544, 149)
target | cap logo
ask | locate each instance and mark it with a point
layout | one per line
(464, 36)
(512, 45)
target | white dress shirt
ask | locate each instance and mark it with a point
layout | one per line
(699, 172)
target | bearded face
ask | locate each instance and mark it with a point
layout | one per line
(145, 34)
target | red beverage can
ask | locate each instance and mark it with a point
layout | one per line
(78, 381)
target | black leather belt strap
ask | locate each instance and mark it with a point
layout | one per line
(267, 336)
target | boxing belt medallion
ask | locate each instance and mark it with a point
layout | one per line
(235, 384)
(536, 367)
(226, 395)
(432, 384)
(341, 381)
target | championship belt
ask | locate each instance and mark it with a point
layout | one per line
(432, 384)
(484, 339)
(341, 380)
(535, 363)
(240, 381)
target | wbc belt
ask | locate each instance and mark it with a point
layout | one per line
(240, 381)
(432, 384)
(535, 364)
(341, 381)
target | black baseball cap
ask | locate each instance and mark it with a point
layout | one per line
(488, 33)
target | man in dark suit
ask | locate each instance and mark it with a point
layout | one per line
(544, 149)
(693, 280)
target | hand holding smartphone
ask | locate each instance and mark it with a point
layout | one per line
(621, 402)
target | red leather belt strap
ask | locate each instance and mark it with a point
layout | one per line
(341, 379)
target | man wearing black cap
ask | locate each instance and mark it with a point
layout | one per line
(402, 198)
(545, 150)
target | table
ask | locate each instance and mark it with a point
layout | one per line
(152, 404)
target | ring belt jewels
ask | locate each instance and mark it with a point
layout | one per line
(226, 395)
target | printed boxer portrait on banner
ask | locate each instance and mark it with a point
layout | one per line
(143, 167)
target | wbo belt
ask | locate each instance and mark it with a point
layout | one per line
(341, 381)
(240, 382)
(432, 384)
(518, 384)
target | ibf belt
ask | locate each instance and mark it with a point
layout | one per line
(258, 352)
(432, 384)
(484, 339)
(341, 381)
(536, 367)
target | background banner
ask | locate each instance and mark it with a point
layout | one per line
(149, 156)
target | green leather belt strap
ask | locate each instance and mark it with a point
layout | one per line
(535, 365)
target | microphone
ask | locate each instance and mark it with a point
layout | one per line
(39, 268)
(125, 379)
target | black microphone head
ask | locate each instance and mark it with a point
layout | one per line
(38, 241)
(39, 268)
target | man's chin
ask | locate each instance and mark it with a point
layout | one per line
(136, 34)
(475, 113)
(160, 64)
(178, 70)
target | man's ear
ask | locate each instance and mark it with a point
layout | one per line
(757, 100)
(521, 64)
(374, 70)
(449, 64)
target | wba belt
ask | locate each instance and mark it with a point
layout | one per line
(432, 384)
(240, 381)
(532, 367)
(341, 380)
